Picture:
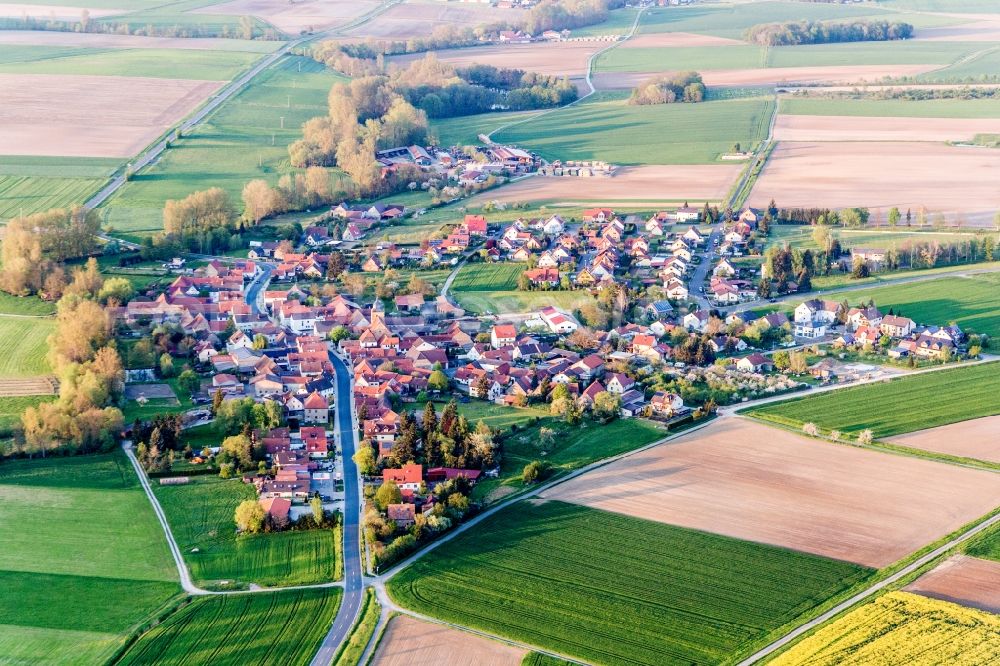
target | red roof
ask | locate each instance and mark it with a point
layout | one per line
(409, 473)
(505, 331)
(314, 438)
(277, 507)
(315, 401)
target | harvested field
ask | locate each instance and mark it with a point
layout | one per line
(830, 74)
(418, 19)
(637, 186)
(967, 581)
(408, 641)
(853, 128)
(985, 31)
(749, 481)
(553, 59)
(978, 438)
(677, 40)
(12, 388)
(78, 116)
(52, 12)
(95, 40)
(294, 17)
(882, 175)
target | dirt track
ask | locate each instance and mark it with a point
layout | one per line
(411, 642)
(978, 438)
(749, 481)
(963, 580)
(91, 116)
(859, 128)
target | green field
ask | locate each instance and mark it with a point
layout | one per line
(279, 627)
(27, 305)
(983, 67)
(870, 53)
(895, 407)
(612, 589)
(77, 533)
(521, 301)
(34, 184)
(494, 415)
(698, 58)
(465, 130)
(232, 147)
(201, 516)
(11, 409)
(605, 127)
(800, 236)
(23, 346)
(895, 108)
(488, 277)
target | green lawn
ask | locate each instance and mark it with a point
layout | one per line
(207, 65)
(488, 277)
(23, 346)
(233, 147)
(494, 415)
(34, 184)
(201, 516)
(280, 627)
(612, 589)
(698, 58)
(605, 127)
(520, 301)
(77, 533)
(895, 108)
(895, 407)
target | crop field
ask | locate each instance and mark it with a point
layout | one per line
(611, 130)
(285, 627)
(612, 589)
(857, 128)
(963, 580)
(488, 277)
(902, 628)
(890, 108)
(293, 18)
(800, 236)
(23, 346)
(987, 547)
(907, 52)
(975, 438)
(549, 58)
(95, 40)
(749, 481)
(408, 641)
(683, 58)
(31, 185)
(349, 653)
(11, 409)
(910, 403)
(232, 147)
(201, 516)
(984, 67)
(58, 571)
(26, 305)
(419, 18)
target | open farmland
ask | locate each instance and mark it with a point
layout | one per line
(550, 58)
(419, 18)
(293, 18)
(34, 184)
(911, 403)
(23, 346)
(854, 128)
(233, 146)
(772, 76)
(59, 571)
(884, 174)
(613, 589)
(902, 628)
(45, 11)
(697, 58)
(605, 127)
(890, 108)
(408, 641)
(95, 40)
(749, 481)
(50, 114)
(976, 438)
(201, 516)
(487, 277)
(962, 580)
(275, 627)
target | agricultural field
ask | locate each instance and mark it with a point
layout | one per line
(418, 18)
(548, 58)
(890, 108)
(800, 235)
(612, 589)
(408, 641)
(976, 438)
(24, 346)
(293, 18)
(902, 628)
(913, 399)
(906, 52)
(95, 40)
(488, 277)
(749, 481)
(34, 184)
(201, 517)
(11, 409)
(981, 68)
(26, 305)
(465, 130)
(605, 127)
(963, 580)
(682, 58)
(58, 571)
(232, 147)
(805, 128)
(240, 629)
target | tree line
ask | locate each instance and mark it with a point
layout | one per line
(35, 247)
(681, 87)
(245, 27)
(791, 33)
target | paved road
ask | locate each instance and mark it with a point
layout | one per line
(350, 606)
(698, 284)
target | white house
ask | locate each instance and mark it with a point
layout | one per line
(724, 269)
(558, 322)
(693, 236)
(554, 226)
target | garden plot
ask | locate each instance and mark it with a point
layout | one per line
(749, 481)
(854, 128)
(97, 116)
(978, 438)
(955, 181)
(967, 581)
(411, 642)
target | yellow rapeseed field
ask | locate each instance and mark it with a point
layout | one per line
(902, 628)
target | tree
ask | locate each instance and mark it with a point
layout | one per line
(482, 386)
(339, 333)
(166, 365)
(364, 458)
(217, 400)
(798, 363)
(249, 516)
(335, 266)
(894, 216)
(810, 429)
(865, 437)
(607, 404)
(388, 493)
(316, 505)
(118, 289)
(438, 381)
(259, 342)
(239, 449)
(535, 471)
(260, 201)
(189, 381)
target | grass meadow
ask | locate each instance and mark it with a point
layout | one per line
(77, 533)
(34, 184)
(24, 346)
(608, 588)
(898, 406)
(278, 627)
(465, 130)
(605, 127)
(26, 305)
(232, 147)
(891, 108)
(201, 517)
(488, 277)
(800, 236)
(520, 301)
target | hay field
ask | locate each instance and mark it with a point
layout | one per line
(749, 481)
(978, 438)
(948, 179)
(902, 628)
(91, 116)
(294, 17)
(963, 580)
(408, 641)
(810, 128)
